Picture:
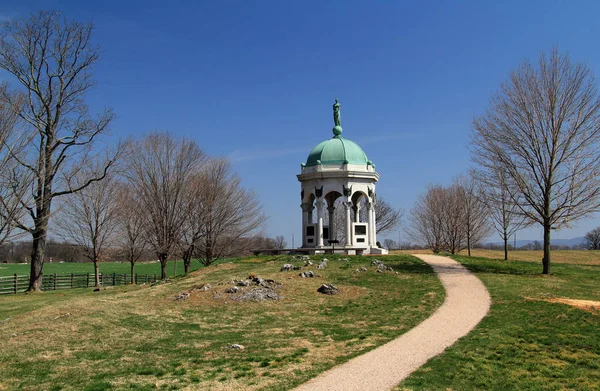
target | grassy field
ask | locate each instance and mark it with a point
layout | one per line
(575, 257)
(542, 332)
(8, 269)
(140, 338)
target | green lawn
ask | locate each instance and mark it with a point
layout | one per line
(140, 338)
(528, 341)
(8, 269)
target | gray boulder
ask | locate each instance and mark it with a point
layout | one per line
(182, 296)
(258, 294)
(287, 267)
(232, 289)
(328, 289)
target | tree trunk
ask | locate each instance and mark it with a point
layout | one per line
(187, 260)
(208, 253)
(469, 245)
(37, 262)
(40, 234)
(132, 272)
(546, 259)
(163, 266)
(97, 273)
(505, 237)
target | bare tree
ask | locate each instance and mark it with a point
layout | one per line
(159, 168)
(387, 217)
(232, 213)
(131, 227)
(592, 239)
(454, 227)
(427, 219)
(89, 217)
(449, 218)
(503, 211)
(280, 242)
(389, 244)
(476, 212)
(52, 59)
(543, 129)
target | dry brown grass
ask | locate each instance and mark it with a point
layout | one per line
(591, 306)
(574, 257)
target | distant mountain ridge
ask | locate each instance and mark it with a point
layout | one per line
(556, 242)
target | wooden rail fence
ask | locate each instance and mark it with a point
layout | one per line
(15, 283)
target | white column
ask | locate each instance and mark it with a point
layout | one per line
(370, 223)
(356, 213)
(320, 206)
(348, 206)
(374, 229)
(331, 211)
(305, 210)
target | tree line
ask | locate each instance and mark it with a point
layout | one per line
(157, 193)
(535, 155)
(451, 218)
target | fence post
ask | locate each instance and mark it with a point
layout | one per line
(71, 280)
(15, 285)
(87, 281)
(155, 277)
(114, 279)
(54, 281)
(124, 282)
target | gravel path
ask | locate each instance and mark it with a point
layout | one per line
(467, 302)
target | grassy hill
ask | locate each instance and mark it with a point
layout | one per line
(139, 337)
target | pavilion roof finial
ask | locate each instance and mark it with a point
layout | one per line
(337, 119)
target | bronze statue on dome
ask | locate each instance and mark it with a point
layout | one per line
(337, 118)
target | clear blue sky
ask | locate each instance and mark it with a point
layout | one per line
(255, 80)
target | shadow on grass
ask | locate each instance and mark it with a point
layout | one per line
(485, 265)
(400, 263)
(409, 266)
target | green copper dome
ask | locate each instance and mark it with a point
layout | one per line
(337, 150)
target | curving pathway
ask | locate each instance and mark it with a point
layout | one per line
(467, 303)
